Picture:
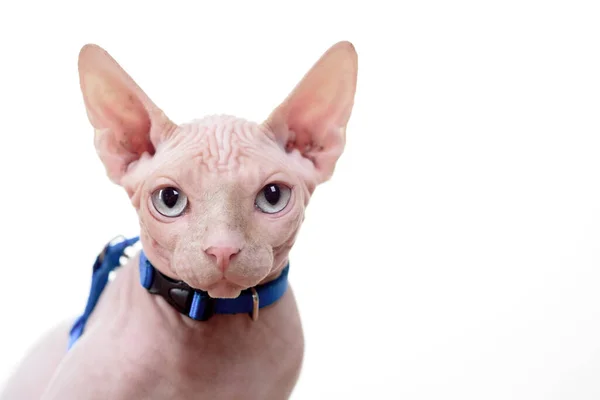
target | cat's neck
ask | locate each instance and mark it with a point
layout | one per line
(138, 298)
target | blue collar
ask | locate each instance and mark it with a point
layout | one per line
(191, 302)
(198, 305)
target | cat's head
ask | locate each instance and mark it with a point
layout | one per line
(220, 200)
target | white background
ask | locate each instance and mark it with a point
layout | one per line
(456, 252)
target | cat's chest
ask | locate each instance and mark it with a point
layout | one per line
(138, 350)
(150, 369)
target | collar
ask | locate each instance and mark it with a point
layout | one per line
(194, 303)
(198, 305)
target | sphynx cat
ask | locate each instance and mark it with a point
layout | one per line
(220, 201)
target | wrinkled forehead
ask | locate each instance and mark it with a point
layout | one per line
(221, 152)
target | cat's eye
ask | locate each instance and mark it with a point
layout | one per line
(273, 198)
(169, 201)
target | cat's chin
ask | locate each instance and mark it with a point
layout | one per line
(224, 290)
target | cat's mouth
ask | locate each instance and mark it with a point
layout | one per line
(224, 289)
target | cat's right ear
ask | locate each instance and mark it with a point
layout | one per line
(126, 122)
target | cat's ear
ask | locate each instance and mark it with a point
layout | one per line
(126, 122)
(312, 119)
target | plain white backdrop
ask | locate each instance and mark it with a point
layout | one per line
(455, 254)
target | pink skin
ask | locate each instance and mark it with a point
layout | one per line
(220, 163)
(222, 241)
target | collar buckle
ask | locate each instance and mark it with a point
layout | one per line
(177, 294)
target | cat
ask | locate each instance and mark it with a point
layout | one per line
(220, 202)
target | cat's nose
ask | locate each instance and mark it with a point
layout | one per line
(222, 254)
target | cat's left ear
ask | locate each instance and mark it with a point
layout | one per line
(312, 120)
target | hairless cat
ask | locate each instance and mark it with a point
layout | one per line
(204, 310)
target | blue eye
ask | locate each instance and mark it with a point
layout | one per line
(169, 201)
(273, 198)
